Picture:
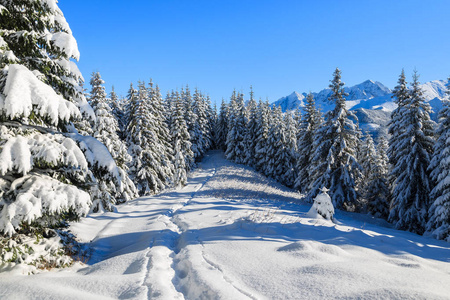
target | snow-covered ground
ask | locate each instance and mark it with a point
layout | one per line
(233, 234)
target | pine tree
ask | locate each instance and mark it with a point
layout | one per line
(411, 149)
(377, 190)
(147, 170)
(108, 191)
(41, 98)
(335, 165)
(180, 141)
(396, 127)
(262, 136)
(190, 120)
(251, 130)
(308, 125)
(45, 45)
(162, 134)
(211, 117)
(367, 158)
(439, 212)
(222, 126)
(236, 129)
(289, 166)
(275, 145)
(201, 139)
(213, 124)
(118, 111)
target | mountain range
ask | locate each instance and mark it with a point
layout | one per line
(370, 100)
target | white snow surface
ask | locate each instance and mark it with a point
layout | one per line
(230, 233)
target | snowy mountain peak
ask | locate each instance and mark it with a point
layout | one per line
(292, 101)
(368, 94)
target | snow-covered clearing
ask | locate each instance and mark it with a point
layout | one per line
(233, 234)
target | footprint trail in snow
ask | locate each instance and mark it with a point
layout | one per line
(231, 233)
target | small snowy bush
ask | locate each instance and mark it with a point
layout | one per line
(322, 206)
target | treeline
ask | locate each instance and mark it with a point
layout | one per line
(404, 179)
(156, 140)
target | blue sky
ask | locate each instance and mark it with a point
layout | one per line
(276, 46)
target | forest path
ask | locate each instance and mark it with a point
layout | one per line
(231, 233)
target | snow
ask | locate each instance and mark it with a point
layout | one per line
(67, 43)
(25, 93)
(322, 206)
(20, 153)
(230, 233)
(39, 195)
(15, 155)
(98, 155)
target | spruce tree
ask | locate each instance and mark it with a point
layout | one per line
(118, 111)
(236, 129)
(180, 141)
(145, 148)
(162, 134)
(222, 126)
(262, 136)
(367, 158)
(108, 191)
(276, 140)
(289, 166)
(251, 130)
(439, 212)
(396, 127)
(213, 124)
(411, 149)
(41, 99)
(190, 120)
(201, 141)
(377, 190)
(334, 161)
(308, 125)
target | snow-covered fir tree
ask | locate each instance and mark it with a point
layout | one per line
(222, 126)
(411, 147)
(262, 136)
(200, 137)
(141, 137)
(190, 120)
(396, 127)
(367, 158)
(213, 121)
(334, 163)
(46, 167)
(180, 141)
(211, 117)
(251, 130)
(118, 111)
(377, 189)
(108, 191)
(162, 133)
(309, 123)
(236, 129)
(289, 165)
(276, 140)
(439, 212)
(322, 206)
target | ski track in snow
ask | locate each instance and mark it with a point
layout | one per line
(231, 233)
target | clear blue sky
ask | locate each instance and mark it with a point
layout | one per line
(276, 46)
